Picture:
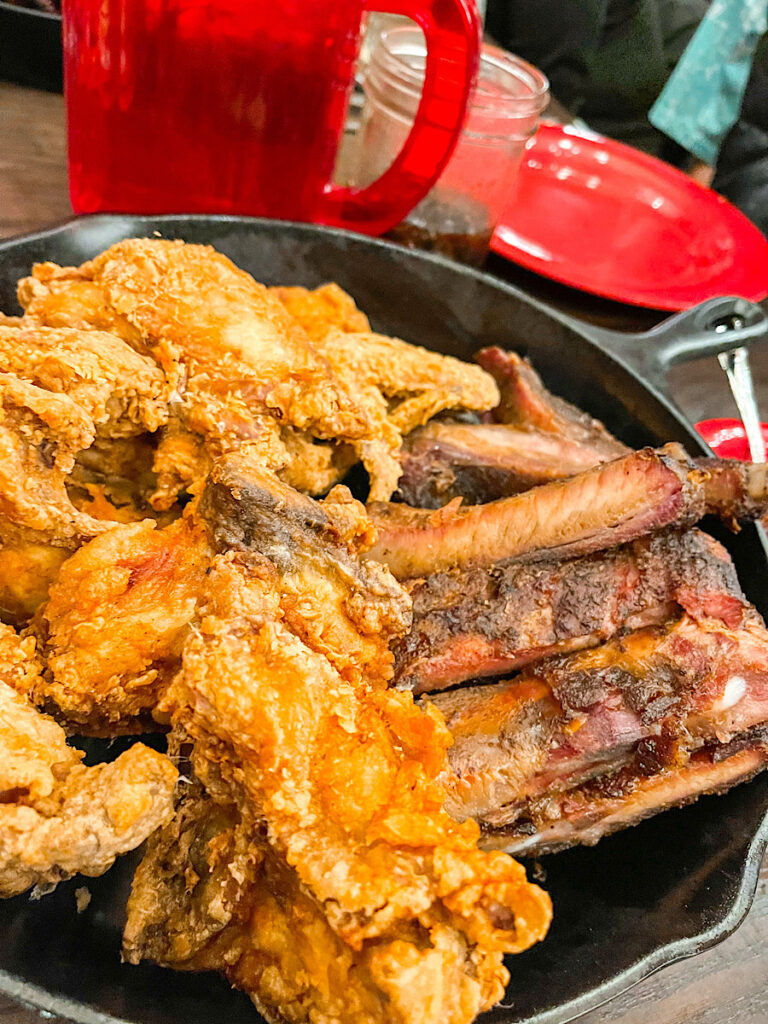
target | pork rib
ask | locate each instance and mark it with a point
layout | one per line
(586, 816)
(470, 623)
(482, 462)
(584, 724)
(525, 402)
(609, 505)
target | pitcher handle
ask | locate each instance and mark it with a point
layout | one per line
(452, 32)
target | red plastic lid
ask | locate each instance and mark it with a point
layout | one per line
(727, 438)
(608, 219)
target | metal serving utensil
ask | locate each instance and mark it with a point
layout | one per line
(737, 369)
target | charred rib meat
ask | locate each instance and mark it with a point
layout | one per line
(590, 723)
(469, 623)
(482, 462)
(611, 504)
(526, 403)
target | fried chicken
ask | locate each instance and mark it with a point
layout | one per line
(123, 393)
(251, 380)
(112, 630)
(250, 374)
(401, 386)
(57, 817)
(323, 309)
(326, 901)
(65, 396)
(27, 571)
(343, 608)
(41, 432)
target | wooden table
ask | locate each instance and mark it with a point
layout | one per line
(728, 983)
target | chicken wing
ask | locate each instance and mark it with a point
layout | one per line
(338, 903)
(57, 817)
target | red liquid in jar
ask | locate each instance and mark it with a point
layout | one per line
(202, 106)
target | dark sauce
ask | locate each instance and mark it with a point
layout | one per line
(456, 226)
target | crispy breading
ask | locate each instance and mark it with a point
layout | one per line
(41, 432)
(401, 386)
(67, 398)
(251, 379)
(319, 310)
(112, 630)
(27, 570)
(342, 607)
(393, 913)
(57, 817)
(250, 374)
(123, 393)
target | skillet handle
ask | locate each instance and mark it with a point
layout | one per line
(709, 329)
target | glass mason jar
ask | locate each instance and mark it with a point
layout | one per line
(459, 215)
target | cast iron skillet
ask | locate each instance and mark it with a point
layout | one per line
(641, 899)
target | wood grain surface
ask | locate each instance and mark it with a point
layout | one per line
(726, 984)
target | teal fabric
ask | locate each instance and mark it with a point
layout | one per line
(701, 101)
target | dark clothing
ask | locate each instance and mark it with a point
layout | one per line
(608, 61)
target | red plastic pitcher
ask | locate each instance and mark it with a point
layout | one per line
(226, 106)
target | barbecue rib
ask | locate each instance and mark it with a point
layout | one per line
(526, 403)
(469, 623)
(482, 462)
(591, 812)
(586, 723)
(379, 889)
(609, 505)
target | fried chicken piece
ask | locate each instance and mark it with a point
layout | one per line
(112, 630)
(63, 393)
(344, 903)
(27, 571)
(41, 432)
(123, 393)
(323, 309)
(401, 387)
(250, 373)
(252, 378)
(341, 607)
(57, 817)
